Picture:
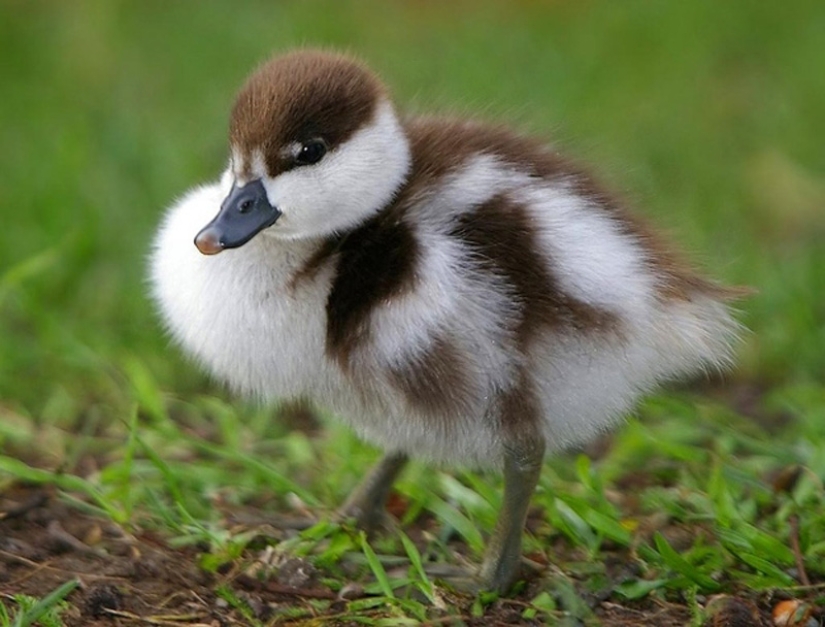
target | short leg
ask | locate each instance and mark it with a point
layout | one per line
(522, 467)
(366, 503)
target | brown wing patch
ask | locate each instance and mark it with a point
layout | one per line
(300, 96)
(376, 262)
(436, 381)
(442, 145)
(503, 240)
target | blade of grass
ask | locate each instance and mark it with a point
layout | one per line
(45, 604)
(424, 583)
(458, 521)
(679, 564)
(29, 267)
(276, 479)
(70, 483)
(376, 566)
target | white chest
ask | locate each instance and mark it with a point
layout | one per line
(236, 312)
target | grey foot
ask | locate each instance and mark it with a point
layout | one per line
(367, 501)
(371, 519)
(472, 581)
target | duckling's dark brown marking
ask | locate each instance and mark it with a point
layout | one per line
(299, 97)
(502, 237)
(435, 380)
(442, 145)
(376, 262)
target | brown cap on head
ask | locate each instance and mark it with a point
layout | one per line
(300, 96)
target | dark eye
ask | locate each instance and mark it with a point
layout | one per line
(311, 152)
(245, 206)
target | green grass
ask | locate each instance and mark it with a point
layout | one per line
(707, 115)
(29, 610)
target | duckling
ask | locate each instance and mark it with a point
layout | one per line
(453, 290)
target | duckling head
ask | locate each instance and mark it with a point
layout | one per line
(315, 149)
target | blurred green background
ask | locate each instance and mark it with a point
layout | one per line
(708, 115)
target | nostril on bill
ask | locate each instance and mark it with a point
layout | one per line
(208, 242)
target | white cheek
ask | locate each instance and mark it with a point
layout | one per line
(296, 193)
(351, 183)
